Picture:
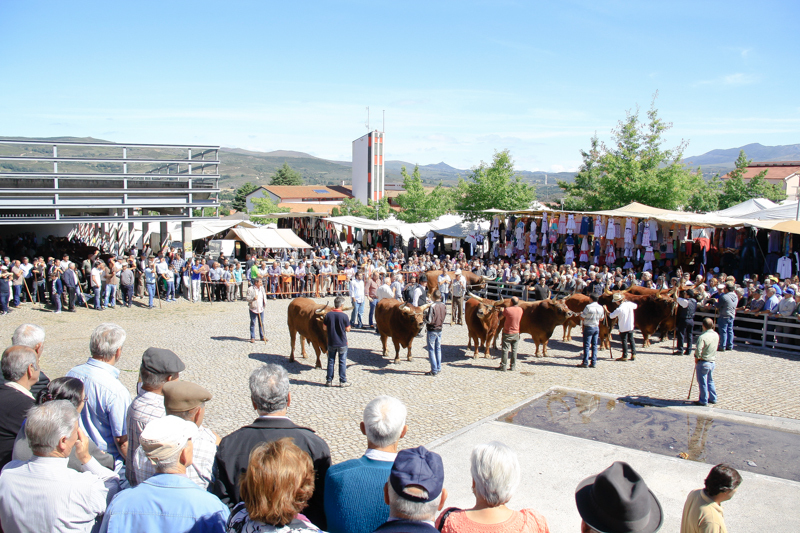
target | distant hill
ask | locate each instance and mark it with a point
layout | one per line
(238, 166)
(723, 160)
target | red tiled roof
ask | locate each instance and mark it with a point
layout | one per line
(778, 171)
(305, 191)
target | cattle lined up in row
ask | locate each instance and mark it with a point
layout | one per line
(402, 322)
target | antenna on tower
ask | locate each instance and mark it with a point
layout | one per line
(367, 124)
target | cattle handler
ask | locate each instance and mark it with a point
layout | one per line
(336, 325)
(513, 317)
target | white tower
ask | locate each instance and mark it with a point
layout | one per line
(368, 172)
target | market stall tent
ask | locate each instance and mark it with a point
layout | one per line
(266, 238)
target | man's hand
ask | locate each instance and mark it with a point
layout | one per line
(82, 447)
(696, 360)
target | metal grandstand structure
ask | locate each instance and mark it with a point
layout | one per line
(98, 182)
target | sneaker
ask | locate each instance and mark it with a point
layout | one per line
(591, 365)
(430, 373)
(58, 312)
(700, 404)
(329, 383)
(344, 383)
(501, 368)
(582, 365)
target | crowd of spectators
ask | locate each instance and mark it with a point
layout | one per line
(83, 456)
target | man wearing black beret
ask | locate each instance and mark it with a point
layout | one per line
(159, 366)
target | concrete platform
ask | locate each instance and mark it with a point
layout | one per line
(553, 465)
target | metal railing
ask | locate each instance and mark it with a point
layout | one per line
(761, 330)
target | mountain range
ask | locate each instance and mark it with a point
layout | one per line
(723, 160)
(238, 166)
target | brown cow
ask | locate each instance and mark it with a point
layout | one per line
(475, 282)
(577, 303)
(399, 320)
(483, 323)
(650, 312)
(305, 317)
(539, 320)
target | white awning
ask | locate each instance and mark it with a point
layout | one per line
(206, 228)
(267, 238)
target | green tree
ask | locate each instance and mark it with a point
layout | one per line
(352, 207)
(419, 205)
(286, 175)
(583, 193)
(493, 186)
(240, 197)
(265, 206)
(736, 191)
(635, 168)
(705, 194)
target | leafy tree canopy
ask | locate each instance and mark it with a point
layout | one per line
(286, 175)
(419, 205)
(635, 168)
(494, 186)
(353, 207)
(735, 190)
(240, 197)
(265, 206)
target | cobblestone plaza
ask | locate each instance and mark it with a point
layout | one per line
(213, 341)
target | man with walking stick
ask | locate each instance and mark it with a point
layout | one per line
(257, 302)
(704, 359)
(626, 324)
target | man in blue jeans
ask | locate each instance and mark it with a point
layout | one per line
(336, 324)
(704, 357)
(726, 304)
(434, 318)
(150, 283)
(591, 317)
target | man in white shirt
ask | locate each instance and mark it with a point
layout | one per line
(459, 289)
(625, 313)
(357, 296)
(97, 283)
(385, 289)
(42, 494)
(326, 272)
(444, 285)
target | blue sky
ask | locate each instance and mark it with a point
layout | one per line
(457, 80)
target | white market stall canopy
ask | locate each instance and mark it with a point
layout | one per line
(447, 225)
(637, 210)
(746, 208)
(206, 228)
(267, 238)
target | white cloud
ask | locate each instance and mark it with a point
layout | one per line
(739, 79)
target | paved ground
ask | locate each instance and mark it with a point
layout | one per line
(213, 342)
(552, 465)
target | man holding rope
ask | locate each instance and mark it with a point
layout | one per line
(257, 302)
(704, 359)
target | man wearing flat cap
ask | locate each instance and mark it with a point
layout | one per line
(186, 401)
(159, 366)
(168, 501)
(414, 492)
(617, 500)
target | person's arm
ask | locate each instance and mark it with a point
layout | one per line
(683, 302)
(110, 480)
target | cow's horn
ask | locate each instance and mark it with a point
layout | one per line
(424, 307)
(487, 278)
(321, 309)
(347, 308)
(473, 295)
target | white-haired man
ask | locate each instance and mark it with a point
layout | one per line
(42, 494)
(32, 336)
(168, 501)
(107, 399)
(353, 489)
(20, 366)
(269, 392)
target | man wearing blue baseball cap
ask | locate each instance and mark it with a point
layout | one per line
(414, 492)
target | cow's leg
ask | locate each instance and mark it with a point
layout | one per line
(409, 348)
(646, 337)
(487, 346)
(396, 351)
(319, 351)
(383, 341)
(544, 348)
(303, 346)
(537, 348)
(477, 346)
(292, 336)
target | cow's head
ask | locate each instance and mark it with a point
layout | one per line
(666, 306)
(412, 313)
(562, 312)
